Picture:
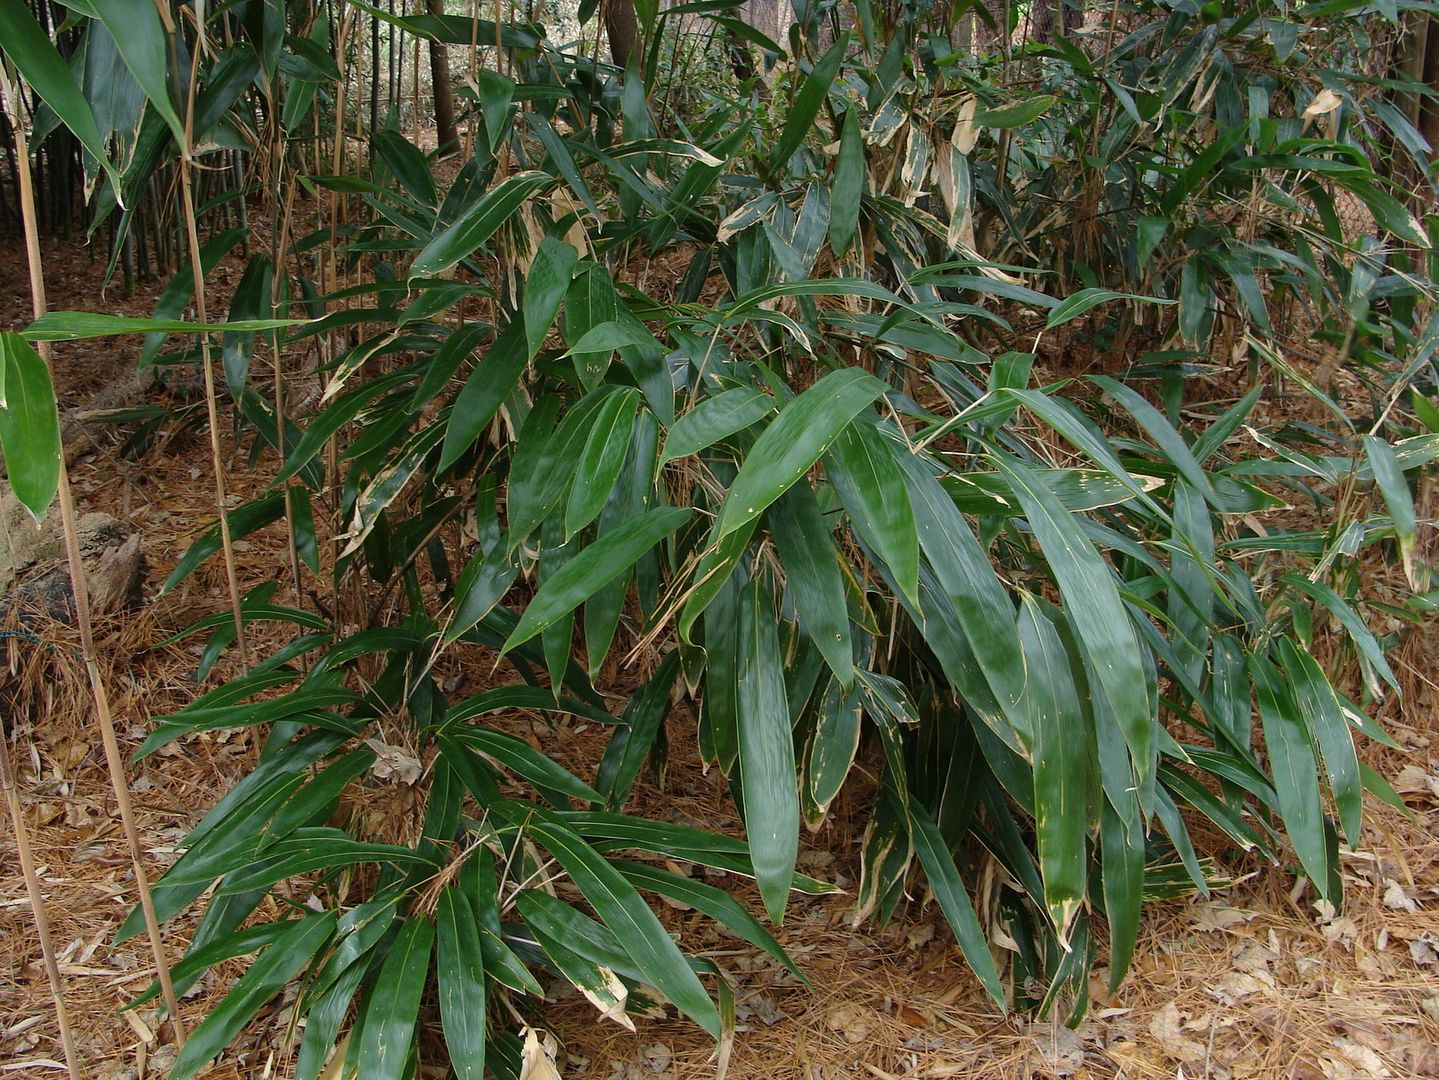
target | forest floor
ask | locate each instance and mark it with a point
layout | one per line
(1252, 981)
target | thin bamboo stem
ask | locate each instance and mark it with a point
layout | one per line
(114, 760)
(212, 408)
(37, 908)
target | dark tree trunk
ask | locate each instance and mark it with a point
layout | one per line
(623, 30)
(444, 94)
(1428, 42)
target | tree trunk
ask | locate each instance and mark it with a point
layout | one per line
(1428, 42)
(449, 135)
(623, 30)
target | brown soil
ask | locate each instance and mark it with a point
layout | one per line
(1252, 982)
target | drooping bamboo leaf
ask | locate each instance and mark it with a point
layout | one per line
(1062, 751)
(140, 36)
(1102, 624)
(793, 442)
(872, 488)
(1328, 730)
(623, 910)
(593, 568)
(477, 223)
(848, 185)
(484, 392)
(460, 978)
(276, 966)
(714, 902)
(948, 889)
(835, 742)
(1295, 767)
(714, 419)
(807, 103)
(388, 1026)
(29, 425)
(35, 57)
(811, 561)
(766, 751)
(1389, 477)
(601, 459)
(545, 286)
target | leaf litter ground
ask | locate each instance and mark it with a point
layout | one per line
(1252, 982)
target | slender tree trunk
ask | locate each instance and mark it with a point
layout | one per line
(443, 91)
(623, 30)
(1427, 44)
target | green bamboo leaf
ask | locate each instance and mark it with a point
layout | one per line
(83, 325)
(529, 698)
(793, 442)
(714, 419)
(484, 392)
(251, 301)
(42, 67)
(1122, 858)
(848, 185)
(1295, 768)
(812, 573)
(766, 751)
(460, 978)
(713, 902)
(593, 568)
(948, 889)
(1389, 477)
(482, 584)
(1016, 115)
(974, 597)
(1101, 622)
(811, 98)
(641, 724)
(478, 883)
(29, 425)
(324, 1018)
(624, 911)
(606, 337)
(542, 469)
(1075, 306)
(477, 223)
(622, 832)
(602, 458)
(407, 164)
(387, 484)
(497, 94)
(1363, 638)
(871, 486)
(1169, 441)
(1328, 730)
(276, 966)
(835, 742)
(243, 520)
(389, 1022)
(1063, 746)
(585, 954)
(591, 325)
(633, 491)
(524, 760)
(545, 286)
(310, 849)
(140, 36)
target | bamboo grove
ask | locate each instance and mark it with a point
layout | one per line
(839, 496)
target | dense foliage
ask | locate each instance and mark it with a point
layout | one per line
(815, 496)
